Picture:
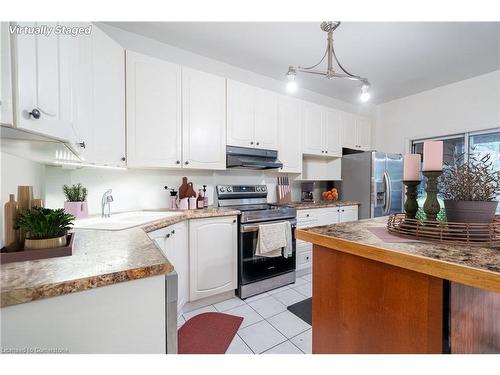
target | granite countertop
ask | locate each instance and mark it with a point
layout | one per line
(321, 204)
(100, 258)
(469, 265)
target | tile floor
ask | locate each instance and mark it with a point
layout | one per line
(267, 327)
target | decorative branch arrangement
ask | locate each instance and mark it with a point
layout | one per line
(75, 193)
(476, 180)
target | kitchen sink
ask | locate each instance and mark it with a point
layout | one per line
(123, 220)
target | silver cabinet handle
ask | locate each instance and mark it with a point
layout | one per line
(167, 235)
(257, 143)
(173, 232)
(178, 162)
(186, 162)
(81, 144)
(251, 142)
(123, 158)
(35, 113)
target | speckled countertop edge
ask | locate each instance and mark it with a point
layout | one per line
(94, 263)
(321, 204)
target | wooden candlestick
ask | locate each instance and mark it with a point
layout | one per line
(431, 205)
(411, 204)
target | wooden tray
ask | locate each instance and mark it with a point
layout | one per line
(473, 234)
(24, 255)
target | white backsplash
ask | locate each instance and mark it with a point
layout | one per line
(135, 189)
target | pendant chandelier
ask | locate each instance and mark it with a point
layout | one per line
(328, 27)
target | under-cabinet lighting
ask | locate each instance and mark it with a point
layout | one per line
(74, 164)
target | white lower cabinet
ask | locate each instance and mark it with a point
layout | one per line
(315, 217)
(174, 243)
(212, 256)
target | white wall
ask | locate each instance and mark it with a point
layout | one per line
(17, 171)
(469, 105)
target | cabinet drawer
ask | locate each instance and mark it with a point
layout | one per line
(307, 223)
(304, 259)
(307, 215)
(303, 246)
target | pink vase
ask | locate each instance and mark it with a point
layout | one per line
(77, 209)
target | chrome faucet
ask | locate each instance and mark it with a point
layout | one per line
(107, 198)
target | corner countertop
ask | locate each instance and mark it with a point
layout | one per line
(321, 204)
(474, 266)
(100, 258)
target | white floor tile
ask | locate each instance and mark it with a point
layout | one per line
(274, 291)
(308, 277)
(289, 297)
(303, 341)
(298, 281)
(228, 304)
(285, 348)
(205, 309)
(268, 306)
(261, 336)
(247, 313)
(258, 296)
(238, 346)
(180, 321)
(305, 289)
(288, 324)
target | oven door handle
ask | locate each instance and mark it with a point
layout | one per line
(245, 228)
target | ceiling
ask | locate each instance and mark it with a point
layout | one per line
(399, 58)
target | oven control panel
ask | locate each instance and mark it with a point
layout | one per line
(243, 190)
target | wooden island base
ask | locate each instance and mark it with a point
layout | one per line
(365, 306)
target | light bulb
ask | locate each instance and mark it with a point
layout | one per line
(291, 86)
(365, 94)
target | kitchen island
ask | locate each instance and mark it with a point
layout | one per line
(374, 293)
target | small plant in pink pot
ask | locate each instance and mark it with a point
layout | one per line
(76, 203)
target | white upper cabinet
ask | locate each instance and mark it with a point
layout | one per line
(363, 129)
(289, 150)
(43, 104)
(98, 86)
(356, 132)
(312, 139)
(266, 119)
(153, 112)
(252, 116)
(332, 127)
(203, 120)
(6, 104)
(321, 131)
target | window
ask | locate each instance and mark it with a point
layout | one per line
(477, 143)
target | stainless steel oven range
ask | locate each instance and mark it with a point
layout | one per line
(257, 274)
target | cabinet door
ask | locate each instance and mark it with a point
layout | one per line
(332, 132)
(203, 120)
(363, 133)
(180, 246)
(266, 119)
(289, 152)
(349, 134)
(43, 83)
(348, 213)
(312, 137)
(327, 216)
(240, 114)
(212, 256)
(98, 77)
(6, 105)
(153, 112)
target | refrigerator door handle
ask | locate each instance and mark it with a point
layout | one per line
(387, 193)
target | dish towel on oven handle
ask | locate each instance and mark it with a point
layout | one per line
(274, 240)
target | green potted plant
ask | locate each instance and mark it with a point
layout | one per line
(44, 227)
(470, 190)
(76, 203)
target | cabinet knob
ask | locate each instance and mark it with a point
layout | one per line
(322, 151)
(81, 144)
(35, 113)
(123, 158)
(173, 232)
(257, 143)
(167, 235)
(178, 162)
(343, 210)
(234, 220)
(251, 142)
(186, 162)
(307, 215)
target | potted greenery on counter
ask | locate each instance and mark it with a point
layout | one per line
(470, 190)
(44, 228)
(76, 196)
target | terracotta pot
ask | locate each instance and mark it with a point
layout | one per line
(47, 243)
(77, 209)
(470, 211)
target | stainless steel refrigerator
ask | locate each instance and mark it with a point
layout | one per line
(374, 179)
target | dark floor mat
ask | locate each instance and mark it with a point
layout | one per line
(303, 310)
